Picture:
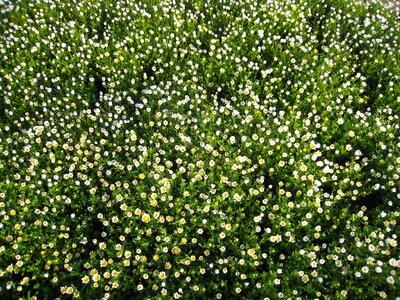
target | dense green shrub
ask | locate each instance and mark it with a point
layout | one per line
(199, 149)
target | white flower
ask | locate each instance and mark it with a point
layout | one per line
(365, 269)
(390, 280)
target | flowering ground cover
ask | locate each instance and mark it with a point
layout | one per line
(190, 149)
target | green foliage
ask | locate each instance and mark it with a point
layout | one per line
(199, 149)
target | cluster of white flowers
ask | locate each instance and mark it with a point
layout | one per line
(199, 149)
